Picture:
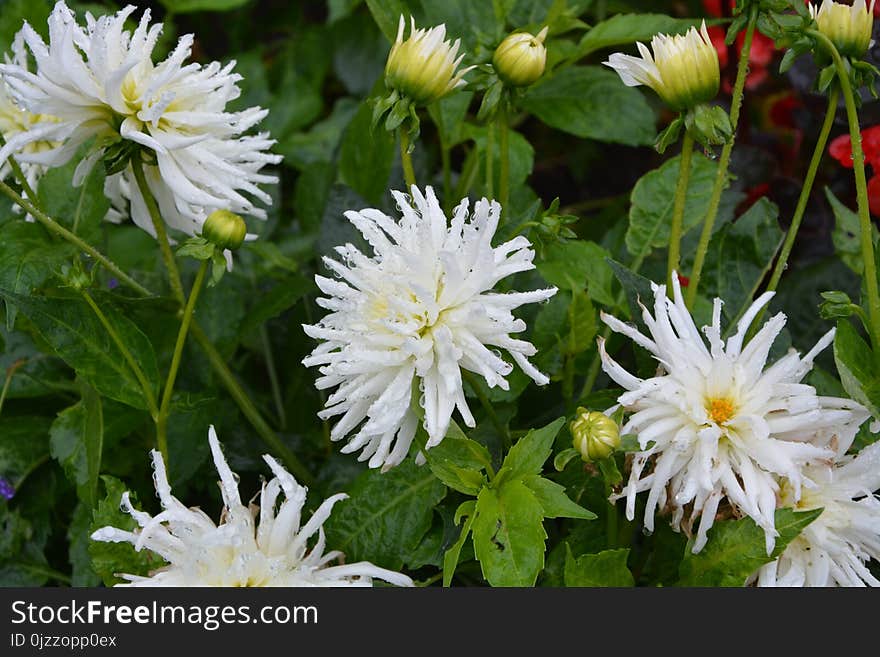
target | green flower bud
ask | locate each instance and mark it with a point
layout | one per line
(594, 435)
(423, 68)
(848, 26)
(521, 58)
(224, 229)
(683, 68)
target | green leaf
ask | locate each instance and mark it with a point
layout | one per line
(452, 555)
(591, 102)
(76, 442)
(653, 197)
(28, 258)
(110, 559)
(24, 442)
(79, 338)
(81, 209)
(637, 288)
(188, 6)
(854, 361)
(448, 115)
(528, 455)
(846, 232)
(277, 300)
(553, 499)
(578, 264)
(459, 461)
(522, 154)
(582, 325)
(15, 12)
(387, 14)
(366, 156)
(386, 515)
(508, 535)
(740, 254)
(606, 568)
(628, 28)
(736, 549)
(78, 550)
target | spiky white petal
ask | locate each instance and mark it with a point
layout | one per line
(834, 549)
(420, 309)
(249, 546)
(716, 423)
(99, 81)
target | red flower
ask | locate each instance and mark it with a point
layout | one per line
(760, 56)
(841, 150)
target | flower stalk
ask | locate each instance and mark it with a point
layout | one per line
(409, 174)
(724, 160)
(675, 231)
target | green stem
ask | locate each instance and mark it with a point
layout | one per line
(273, 376)
(490, 160)
(806, 189)
(675, 230)
(159, 226)
(866, 226)
(149, 397)
(164, 409)
(504, 145)
(19, 174)
(10, 372)
(248, 409)
(611, 527)
(409, 174)
(742, 73)
(57, 229)
(487, 406)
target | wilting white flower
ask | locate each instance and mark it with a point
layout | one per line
(423, 67)
(683, 70)
(249, 547)
(420, 309)
(99, 81)
(716, 422)
(834, 548)
(848, 26)
(15, 121)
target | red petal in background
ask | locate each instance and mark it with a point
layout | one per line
(841, 150)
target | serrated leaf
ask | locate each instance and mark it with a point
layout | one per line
(386, 515)
(459, 461)
(76, 442)
(591, 102)
(28, 258)
(653, 198)
(576, 265)
(736, 549)
(528, 455)
(854, 360)
(606, 568)
(553, 499)
(740, 254)
(111, 559)
(509, 535)
(78, 337)
(452, 555)
(81, 209)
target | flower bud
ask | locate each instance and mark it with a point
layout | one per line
(224, 229)
(594, 435)
(423, 68)
(848, 26)
(520, 59)
(683, 70)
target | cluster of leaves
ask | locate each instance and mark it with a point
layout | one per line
(75, 429)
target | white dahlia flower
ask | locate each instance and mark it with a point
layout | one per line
(834, 549)
(249, 547)
(421, 309)
(716, 422)
(99, 81)
(15, 121)
(683, 70)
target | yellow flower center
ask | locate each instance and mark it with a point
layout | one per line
(720, 410)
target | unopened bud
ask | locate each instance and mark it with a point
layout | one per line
(224, 229)
(848, 26)
(521, 58)
(594, 435)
